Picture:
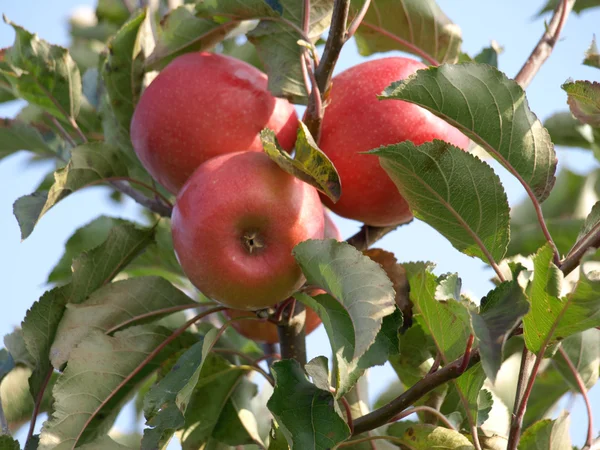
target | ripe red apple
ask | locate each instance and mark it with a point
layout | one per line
(235, 223)
(331, 229)
(203, 105)
(356, 121)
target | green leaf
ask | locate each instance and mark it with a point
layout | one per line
(85, 408)
(500, 312)
(548, 389)
(7, 363)
(89, 164)
(16, 136)
(448, 322)
(166, 403)
(420, 436)
(16, 399)
(8, 443)
(417, 352)
(43, 74)
(276, 36)
(358, 283)
(312, 423)
(465, 395)
(114, 11)
(583, 349)
(113, 306)
(422, 25)
(91, 270)
(468, 206)
(547, 435)
(102, 443)
(578, 7)
(219, 408)
(567, 131)
(182, 31)
(584, 101)
(309, 163)
(591, 222)
(592, 56)
(277, 439)
(492, 110)
(15, 344)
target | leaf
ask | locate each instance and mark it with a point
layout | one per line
(413, 26)
(276, 37)
(551, 319)
(548, 389)
(468, 206)
(7, 363)
(492, 110)
(318, 370)
(420, 436)
(15, 344)
(309, 163)
(567, 131)
(16, 136)
(182, 31)
(312, 423)
(85, 408)
(591, 222)
(166, 403)
(102, 443)
(592, 56)
(16, 399)
(583, 349)
(578, 7)
(112, 306)
(359, 284)
(89, 164)
(448, 322)
(114, 11)
(8, 443)
(500, 312)
(122, 71)
(91, 270)
(219, 408)
(584, 101)
(465, 395)
(43, 74)
(547, 435)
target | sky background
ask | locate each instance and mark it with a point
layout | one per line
(24, 266)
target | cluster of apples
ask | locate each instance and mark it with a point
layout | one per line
(237, 215)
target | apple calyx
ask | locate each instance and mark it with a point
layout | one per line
(253, 241)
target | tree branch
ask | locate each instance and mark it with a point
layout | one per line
(544, 47)
(154, 204)
(431, 381)
(572, 260)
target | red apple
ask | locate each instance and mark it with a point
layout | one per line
(331, 229)
(203, 105)
(265, 331)
(235, 224)
(356, 121)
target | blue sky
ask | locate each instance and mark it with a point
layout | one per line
(25, 265)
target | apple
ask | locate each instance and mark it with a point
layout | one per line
(356, 121)
(265, 331)
(234, 225)
(203, 105)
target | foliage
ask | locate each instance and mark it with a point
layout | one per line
(112, 327)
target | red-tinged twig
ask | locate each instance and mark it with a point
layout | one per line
(267, 357)
(37, 405)
(423, 408)
(413, 48)
(358, 19)
(467, 355)
(178, 332)
(165, 200)
(436, 363)
(573, 258)
(348, 410)
(581, 385)
(544, 47)
(158, 312)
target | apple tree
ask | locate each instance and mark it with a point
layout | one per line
(199, 314)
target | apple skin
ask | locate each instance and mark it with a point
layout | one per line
(356, 121)
(234, 225)
(203, 105)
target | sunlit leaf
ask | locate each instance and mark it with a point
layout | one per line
(419, 436)
(492, 110)
(583, 350)
(592, 56)
(547, 435)
(584, 101)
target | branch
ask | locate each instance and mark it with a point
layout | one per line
(544, 47)
(590, 432)
(427, 409)
(431, 381)
(156, 205)
(572, 260)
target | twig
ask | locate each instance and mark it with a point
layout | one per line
(573, 258)
(581, 385)
(372, 438)
(37, 406)
(423, 408)
(467, 355)
(384, 414)
(436, 363)
(156, 192)
(348, 410)
(150, 203)
(368, 235)
(357, 20)
(544, 47)
(170, 310)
